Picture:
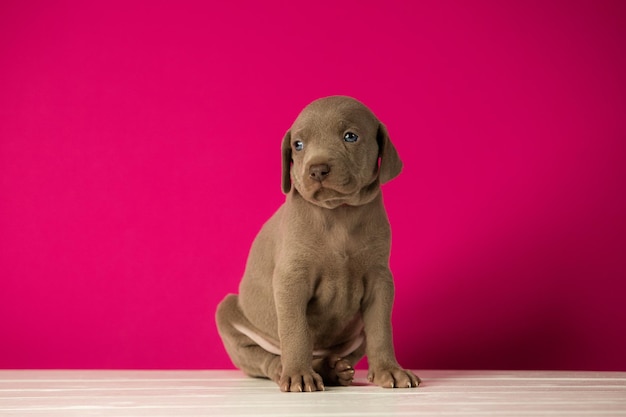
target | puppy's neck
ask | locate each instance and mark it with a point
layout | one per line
(346, 229)
(345, 214)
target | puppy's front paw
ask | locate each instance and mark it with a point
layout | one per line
(393, 377)
(308, 381)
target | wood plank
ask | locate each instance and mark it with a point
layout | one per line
(230, 393)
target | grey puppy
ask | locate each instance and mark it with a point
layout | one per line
(317, 292)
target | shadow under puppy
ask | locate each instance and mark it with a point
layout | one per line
(317, 291)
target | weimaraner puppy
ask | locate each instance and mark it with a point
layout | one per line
(317, 292)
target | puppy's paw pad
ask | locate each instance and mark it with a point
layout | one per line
(344, 372)
(335, 370)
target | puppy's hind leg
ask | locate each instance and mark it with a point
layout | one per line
(338, 370)
(245, 353)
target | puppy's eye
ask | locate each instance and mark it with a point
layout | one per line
(298, 145)
(350, 137)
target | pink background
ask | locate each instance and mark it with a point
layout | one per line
(139, 156)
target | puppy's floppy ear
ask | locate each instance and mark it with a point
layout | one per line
(390, 163)
(286, 154)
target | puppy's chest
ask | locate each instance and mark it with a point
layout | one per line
(341, 262)
(345, 243)
(337, 294)
(340, 276)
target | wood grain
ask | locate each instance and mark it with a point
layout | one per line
(230, 393)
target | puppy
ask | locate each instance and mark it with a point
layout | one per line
(317, 292)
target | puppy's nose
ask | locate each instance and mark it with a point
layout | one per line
(319, 172)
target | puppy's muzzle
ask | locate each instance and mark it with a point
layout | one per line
(319, 172)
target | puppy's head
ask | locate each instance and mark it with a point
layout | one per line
(337, 152)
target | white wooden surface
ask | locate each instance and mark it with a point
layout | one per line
(230, 393)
